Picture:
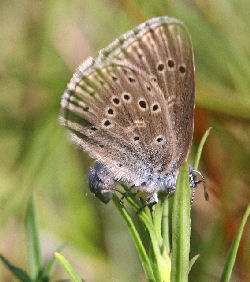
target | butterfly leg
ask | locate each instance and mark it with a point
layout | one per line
(152, 199)
(101, 182)
(126, 193)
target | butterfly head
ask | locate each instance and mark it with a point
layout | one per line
(101, 183)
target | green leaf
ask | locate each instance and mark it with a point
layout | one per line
(181, 227)
(34, 254)
(165, 223)
(68, 268)
(157, 218)
(200, 147)
(138, 243)
(192, 261)
(228, 267)
(18, 272)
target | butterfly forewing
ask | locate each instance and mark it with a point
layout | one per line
(132, 108)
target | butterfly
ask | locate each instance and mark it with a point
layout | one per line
(132, 109)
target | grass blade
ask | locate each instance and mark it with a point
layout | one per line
(49, 267)
(165, 224)
(18, 272)
(159, 258)
(181, 227)
(227, 271)
(200, 147)
(34, 254)
(157, 218)
(68, 268)
(138, 243)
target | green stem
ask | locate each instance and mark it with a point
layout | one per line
(138, 243)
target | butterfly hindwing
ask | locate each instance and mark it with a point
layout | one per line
(132, 108)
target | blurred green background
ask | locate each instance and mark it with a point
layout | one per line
(41, 44)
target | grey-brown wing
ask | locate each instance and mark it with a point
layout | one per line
(127, 107)
(111, 116)
(165, 52)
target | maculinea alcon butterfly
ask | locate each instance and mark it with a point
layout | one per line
(132, 109)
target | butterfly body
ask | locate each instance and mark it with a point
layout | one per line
(102, 183)
(132, 108)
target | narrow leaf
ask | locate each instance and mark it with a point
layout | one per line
(200, 147)
(68, 268)
(138, 243)
(227, 271)
(18, 272)
(34, 254)
(49, 267)
(165, 224)
(192, 261)
(159, 258)
(157, 218)
(181, 227)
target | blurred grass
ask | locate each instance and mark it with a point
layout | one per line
(42, 42)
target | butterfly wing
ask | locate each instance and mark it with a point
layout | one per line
(132, 108)
(163, 49)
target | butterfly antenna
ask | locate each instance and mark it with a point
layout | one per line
(193, 194)
(204, 184)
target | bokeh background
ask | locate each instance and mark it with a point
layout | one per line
(41, 44)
